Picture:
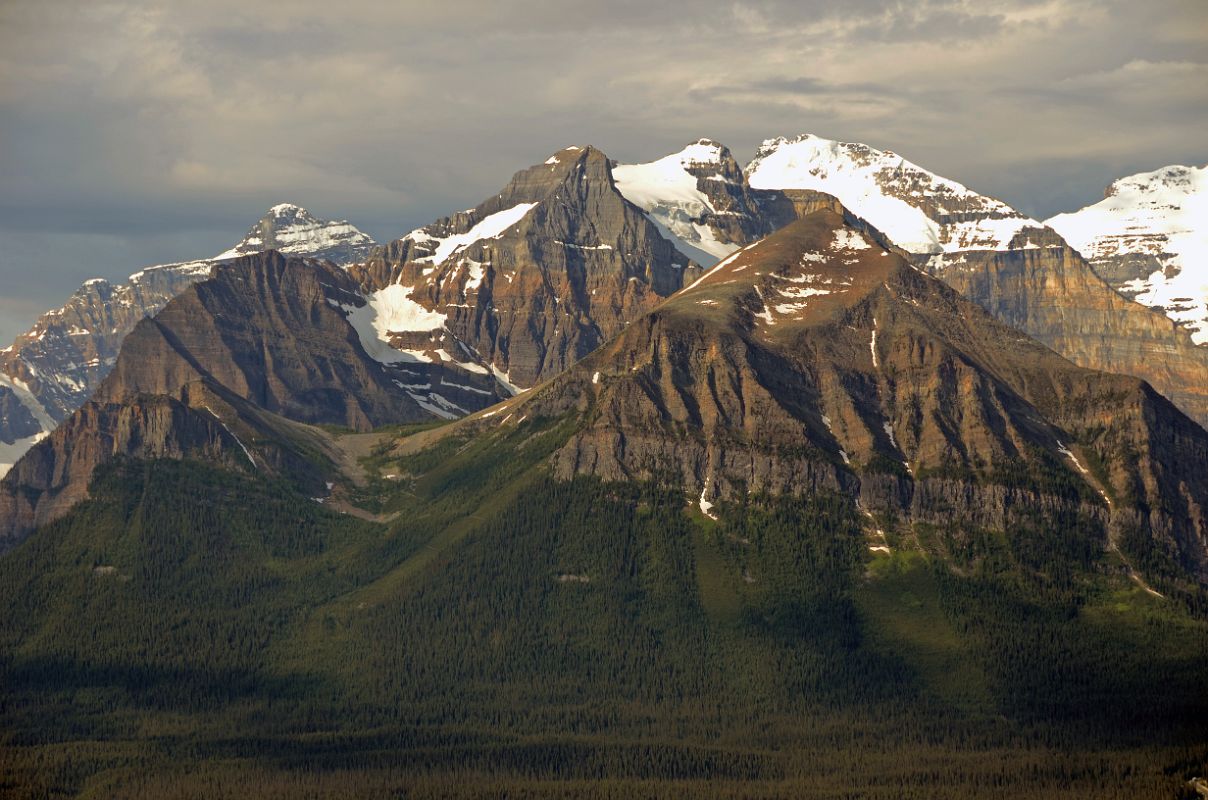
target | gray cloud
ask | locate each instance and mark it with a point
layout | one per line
(136, 132)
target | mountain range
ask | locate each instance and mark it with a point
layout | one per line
(670, 478)
(706, 205)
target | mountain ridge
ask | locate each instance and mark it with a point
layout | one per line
(1024, 273)
(63, 358)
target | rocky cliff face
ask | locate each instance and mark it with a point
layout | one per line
(222, 372)
(819, 359)
(1050, 292)
(63, 358)
(531, 280)
(1148, 238)
(1021, 271)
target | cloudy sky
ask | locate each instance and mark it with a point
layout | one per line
(134, 133)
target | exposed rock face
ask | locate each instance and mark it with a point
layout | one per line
(1022, 272)
(1148, 238)
(69, 350)
(219, 374)
(531, 280)
(1050, 292)
(819, 359)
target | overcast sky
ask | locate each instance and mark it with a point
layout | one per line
(137, 133)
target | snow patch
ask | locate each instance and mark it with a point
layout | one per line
(847, 239)
(706, 507)
(490, 227)
(505, 378)
(766, 315)
(872, 345)
(391, 310)
(889, 432)
(1065, 451)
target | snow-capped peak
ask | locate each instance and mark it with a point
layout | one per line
(668, 190)
(919, 210)
(288, 209)
(293, 230)
(702, 151)
(1149, 238)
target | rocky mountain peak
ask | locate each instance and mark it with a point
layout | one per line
(62, 359)
(531, 279)
(293, 230)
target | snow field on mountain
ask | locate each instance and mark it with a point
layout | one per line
(668, 193)
(490, 227)
(1162, 214)
(888, 191)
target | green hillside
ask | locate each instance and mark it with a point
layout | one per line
(191, 632)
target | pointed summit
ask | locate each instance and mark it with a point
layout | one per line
(295, 231)
(528, 281)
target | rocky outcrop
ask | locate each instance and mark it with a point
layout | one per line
(819, 359)
(529, 281)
